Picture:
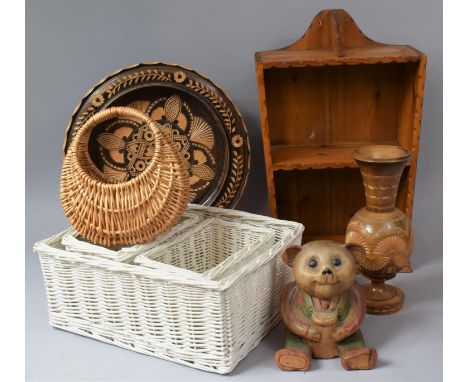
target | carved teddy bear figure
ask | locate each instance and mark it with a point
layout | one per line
(324, 308)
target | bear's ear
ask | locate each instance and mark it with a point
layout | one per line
(290, 253)
(357, 250)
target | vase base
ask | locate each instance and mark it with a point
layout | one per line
(379, 306)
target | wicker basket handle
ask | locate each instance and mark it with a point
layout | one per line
(78, 149)
(106, 114)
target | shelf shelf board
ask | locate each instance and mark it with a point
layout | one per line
(314, 157)
(351, 56)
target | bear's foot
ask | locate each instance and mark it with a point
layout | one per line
(290, 359)
(359, 359)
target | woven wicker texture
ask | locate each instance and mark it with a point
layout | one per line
(73, 241)
(202, 323)
(209, 249)
(113, 213)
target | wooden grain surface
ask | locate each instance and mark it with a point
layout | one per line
(352, 56)
(320, 98)
(314, 157)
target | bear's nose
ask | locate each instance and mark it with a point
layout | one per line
(327, 271)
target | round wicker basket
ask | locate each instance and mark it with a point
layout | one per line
(112, 212)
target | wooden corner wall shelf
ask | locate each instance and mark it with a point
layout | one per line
(320, 98)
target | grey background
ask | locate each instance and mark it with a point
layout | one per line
(72, 44)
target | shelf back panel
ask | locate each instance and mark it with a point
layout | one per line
(332, 105)
(324, 200)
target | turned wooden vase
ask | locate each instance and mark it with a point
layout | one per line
(381, 228)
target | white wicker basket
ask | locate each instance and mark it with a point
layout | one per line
(199, 322)
(72, 241)
(210, 249)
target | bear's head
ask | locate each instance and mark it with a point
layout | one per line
(323, 268)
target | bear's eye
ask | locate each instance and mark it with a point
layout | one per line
(313, 263)
(336, 262)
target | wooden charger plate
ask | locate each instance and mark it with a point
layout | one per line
(190, 108)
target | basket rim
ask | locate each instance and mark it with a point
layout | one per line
(45, 247)
(163, 274)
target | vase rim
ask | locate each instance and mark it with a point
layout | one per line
(382, 154)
